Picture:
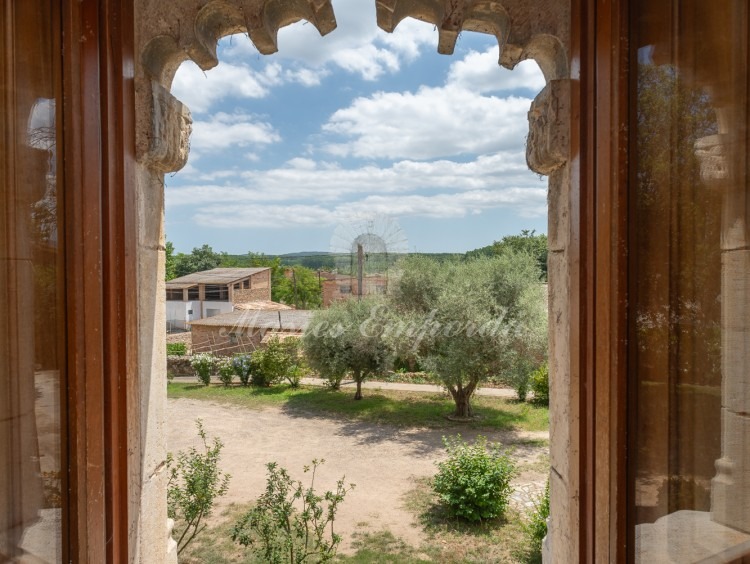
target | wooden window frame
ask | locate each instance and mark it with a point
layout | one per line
(599, 234)
(100, 247)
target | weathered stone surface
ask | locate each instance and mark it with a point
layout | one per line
(169, 33)
(536, 30)
(548, 143)
(688, 536)
(171, 125)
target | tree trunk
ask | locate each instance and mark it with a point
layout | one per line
(462, 397)
(358, 379)
(463, 406)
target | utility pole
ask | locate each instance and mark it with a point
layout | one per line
(360, 268)
(294, 281)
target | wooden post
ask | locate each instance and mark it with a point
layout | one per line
(360, 267)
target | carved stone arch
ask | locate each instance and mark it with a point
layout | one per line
(546, 50)
(169, 33)
(171, 37)
(524, 30)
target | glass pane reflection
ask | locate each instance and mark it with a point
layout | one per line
(689, 282)
(32, 342)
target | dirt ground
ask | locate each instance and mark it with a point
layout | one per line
(383, 461)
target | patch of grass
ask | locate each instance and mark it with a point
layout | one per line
(407, 409)
(215, 546)
(449, 541)
(456, 541)
(381, 548)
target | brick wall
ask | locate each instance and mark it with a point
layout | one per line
(260, 289)
(252, 295)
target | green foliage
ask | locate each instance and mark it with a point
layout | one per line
(299, 287)
(292, 348)
(474, 482)
(527, 242)
(243, 367)
(176, 349)
(195, 481)
(540, 384)
(170, 262)
(226, 371)
(291, 523)
(348, 338)
(519, 375)
(273, 363)
(200, 259)
(468, 321)
(203, 364)
(536, 525)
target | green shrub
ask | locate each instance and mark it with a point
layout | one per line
(273, 362)
(333, 381)
(520, 377)
(536, 526)
(540, 384)
(474, 482)
(290, 523)
(195, 482)
(243, 367)
(226, 371)
(203, 364)
(176, 349)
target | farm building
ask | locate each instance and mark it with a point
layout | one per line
(213, 292)
(243, 331)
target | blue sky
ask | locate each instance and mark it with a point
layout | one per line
(356, 127)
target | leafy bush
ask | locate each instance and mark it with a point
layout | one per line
(333, 381)
(203, 364)
(295, 369)
(474, 482)
(520, 377)
(243, 367)
(540, 384)
(195, 482)
(226, 371)
(536, 526)
(291, 523)
(272, 363)
(176, 349)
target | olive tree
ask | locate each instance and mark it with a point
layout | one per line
(473, 319)
(347, 338)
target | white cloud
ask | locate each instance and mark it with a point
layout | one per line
(326, 183)
(357, 45)
(526, 202)
(223, 130)
(199, 92)
(481, 73)
(431, 123)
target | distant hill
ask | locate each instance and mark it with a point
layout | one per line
(305, 254)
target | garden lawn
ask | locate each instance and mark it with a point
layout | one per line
(403, 409)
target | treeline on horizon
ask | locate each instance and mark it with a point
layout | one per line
(205, 258)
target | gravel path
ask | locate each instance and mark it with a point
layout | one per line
(383, 461)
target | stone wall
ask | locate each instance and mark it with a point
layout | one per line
(225, 341)
(252, 295)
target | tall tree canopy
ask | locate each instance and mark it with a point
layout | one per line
(469, 320)
(526, 242)
(201, 258)
(347, 339)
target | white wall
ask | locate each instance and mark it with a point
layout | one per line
(178, 312)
